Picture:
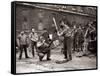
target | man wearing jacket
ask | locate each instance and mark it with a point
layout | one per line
(22, 43)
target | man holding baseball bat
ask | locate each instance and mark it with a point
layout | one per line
(66, 32)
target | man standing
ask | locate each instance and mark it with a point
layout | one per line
(74, 39)
(34, 38)
(66, 33)
(80, 39)
(22, 43)
(88, 38)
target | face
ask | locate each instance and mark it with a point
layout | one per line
(89, 24)
(74, 26)
(62, 23)
(22, 32)
(41, 38)
(79, 27)
(33, 30)
(61, 27)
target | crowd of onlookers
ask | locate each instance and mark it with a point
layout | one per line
(85, 39)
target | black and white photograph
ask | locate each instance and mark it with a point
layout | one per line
(53, 37)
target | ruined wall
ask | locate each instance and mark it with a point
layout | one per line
(41, 18)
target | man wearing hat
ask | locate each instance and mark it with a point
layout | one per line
(22, 43)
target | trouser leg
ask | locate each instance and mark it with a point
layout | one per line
(65, 53)
(65, 48)
(32, 45)
(21, 51)
(33, 51)
(48, 54)
(74, 45)
(25, 50)
(35, 45)
(69, 49)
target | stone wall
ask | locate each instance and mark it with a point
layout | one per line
(41, 18)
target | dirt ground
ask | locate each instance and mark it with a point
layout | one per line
(34, 65)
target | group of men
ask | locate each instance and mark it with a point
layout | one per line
(42, 42)
(36, 42)
(85, 38)
(80, 39)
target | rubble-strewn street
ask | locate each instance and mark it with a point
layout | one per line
(34, 65)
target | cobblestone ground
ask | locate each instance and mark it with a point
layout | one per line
(34, 65)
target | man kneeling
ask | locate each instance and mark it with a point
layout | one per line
(43, 49)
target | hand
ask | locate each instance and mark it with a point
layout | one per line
(58, 33)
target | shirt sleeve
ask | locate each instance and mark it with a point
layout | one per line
(30, 35)
(18, 37)
(18, 40)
